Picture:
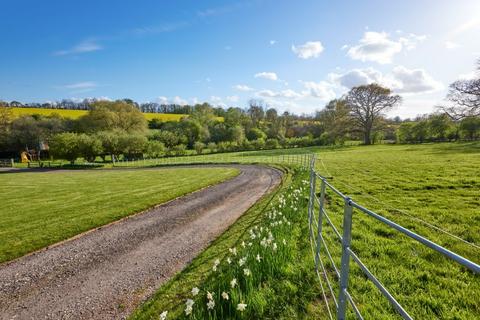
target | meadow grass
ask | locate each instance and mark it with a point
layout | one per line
(41, 208)
(432, 189)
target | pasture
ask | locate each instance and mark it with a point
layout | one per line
(432, 189)
(41, 208)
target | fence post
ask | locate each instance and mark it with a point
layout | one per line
(345, 262)
(12, 162)
(320, 221)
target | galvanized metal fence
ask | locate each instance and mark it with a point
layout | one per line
(302, 159)
(319, 218)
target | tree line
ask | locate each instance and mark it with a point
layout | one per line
(116, 129)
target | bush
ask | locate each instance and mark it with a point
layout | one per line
(179, 150)
(258, 144)
(272, 144)
(155, 149)
(255, 134)
(199, 146)
(65, 146)
(89, 146)
(212, 146)
(132, 145)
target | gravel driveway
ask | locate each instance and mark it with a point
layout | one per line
(106, 273)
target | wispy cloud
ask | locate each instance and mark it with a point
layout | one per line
(464, 27)
(85, 46)
(267, 75)
(164, 28)
(216, 11)
(81, 85)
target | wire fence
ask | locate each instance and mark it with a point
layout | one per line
(333, 279)
(302, 160)
(337, 277)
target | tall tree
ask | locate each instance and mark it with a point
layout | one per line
(465, 96)
(256, 111)
(335, 119)
(367, 104)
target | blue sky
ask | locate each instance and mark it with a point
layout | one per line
(295, 55)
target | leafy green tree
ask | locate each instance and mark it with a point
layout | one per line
(255, 134)
(111, 115)
(336, 121)
(367, 103)
(438, 126)
(470, 128)
(6, 118)
(256, 111)
(89, 146)
(111, 143)
(420, 131)
(65, 146)
(236, 134)
(155, 149)
(132, 144)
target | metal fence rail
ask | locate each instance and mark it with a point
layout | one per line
(318, 217)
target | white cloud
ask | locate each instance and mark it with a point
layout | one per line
(81, 85)
(414, 81)
(162, 100)
(322, 90)
(286, 94)
(89, 45)
(179, 100)
(379, 47)
(233, 98)
(267, 75)
(356, 77)
(175, 100)
(401, 79)
(272, 42)
(310, 49)
(411, 40)
(451, 45)
(242, 87)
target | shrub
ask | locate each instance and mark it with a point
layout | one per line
(212, 146)
(272, 144)
(199, 146)
(65, 146)
(255, 134)
(89, 146)
(155, 149)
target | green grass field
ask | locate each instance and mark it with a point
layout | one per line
(433, 189)
(41, 208)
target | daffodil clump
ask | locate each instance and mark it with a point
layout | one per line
(233, 289)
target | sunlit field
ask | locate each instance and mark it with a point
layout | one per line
(432, 189)
(75, 114)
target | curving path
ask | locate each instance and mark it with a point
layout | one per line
(106, 273)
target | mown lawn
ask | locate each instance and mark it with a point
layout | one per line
(38, 209)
